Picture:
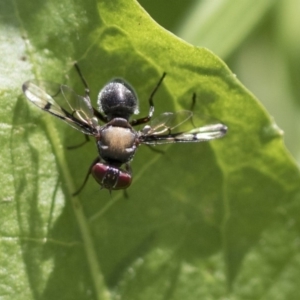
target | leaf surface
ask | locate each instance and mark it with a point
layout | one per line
(202, 221)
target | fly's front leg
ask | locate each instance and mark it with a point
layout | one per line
(151, 103)
(87, 93)
(87, 89)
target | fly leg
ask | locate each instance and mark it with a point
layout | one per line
(129, 171)
(87, 93)
(192, 108)
(87, 139)
(151, 103)
(87, 176)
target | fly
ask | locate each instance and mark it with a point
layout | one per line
(117, 140)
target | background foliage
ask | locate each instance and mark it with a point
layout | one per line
(208, 221)
(258, 40)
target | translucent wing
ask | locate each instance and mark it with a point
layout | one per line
(167, 122)
(161, 130)
(80, 105)
(62, 102)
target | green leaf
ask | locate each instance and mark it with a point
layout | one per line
(202, 221)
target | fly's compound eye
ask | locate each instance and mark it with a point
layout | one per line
(110, 177)
(118, 99)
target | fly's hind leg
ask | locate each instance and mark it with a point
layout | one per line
(87, 176)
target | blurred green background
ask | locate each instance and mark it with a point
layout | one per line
(260, 42)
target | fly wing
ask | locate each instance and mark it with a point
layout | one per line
(63, 103)
(80, 105)
(161, 130)
(202, 134)
(167, 122)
